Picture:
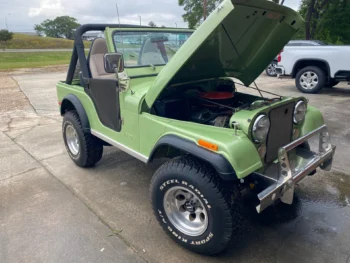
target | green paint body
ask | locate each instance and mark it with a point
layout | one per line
(141, 130)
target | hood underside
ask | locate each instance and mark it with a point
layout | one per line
(239, 39)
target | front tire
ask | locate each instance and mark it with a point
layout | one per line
(83, 148)
(190, 204)
(310, 79)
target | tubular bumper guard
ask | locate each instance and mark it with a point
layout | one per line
(286, 174)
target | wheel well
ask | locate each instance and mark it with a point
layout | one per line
(170, 152)
(67, 105)
(72, 103)
(166, 151)
(323, 65)
(172, 146)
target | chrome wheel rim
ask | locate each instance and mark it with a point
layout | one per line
(185, 211)
(308, 80)
(271, 69)
(72, 139)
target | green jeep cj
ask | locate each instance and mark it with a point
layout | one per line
(170, 92)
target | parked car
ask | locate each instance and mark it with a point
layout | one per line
(271, 68)
(314, 64)
(153, 103)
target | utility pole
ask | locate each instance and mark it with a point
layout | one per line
(205, 9)
(7, 27)
(140, 19)
(176, 25)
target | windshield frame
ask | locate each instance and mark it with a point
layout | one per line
(149, 30)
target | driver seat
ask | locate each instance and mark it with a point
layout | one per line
(95, 61)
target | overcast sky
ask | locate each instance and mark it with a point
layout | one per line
(21, 15)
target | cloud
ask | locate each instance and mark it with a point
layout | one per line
(24, 14)
(34, 12)
(46, 6)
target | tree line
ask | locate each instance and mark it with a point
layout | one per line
(326, 20)
(63, 27)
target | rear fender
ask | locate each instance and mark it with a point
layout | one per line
(71, 102)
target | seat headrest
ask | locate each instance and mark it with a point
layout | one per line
(99, 46)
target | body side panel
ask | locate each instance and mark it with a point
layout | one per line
(235, 148)
(129, 134)
(337, 57)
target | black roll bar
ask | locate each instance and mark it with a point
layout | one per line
(78, 49)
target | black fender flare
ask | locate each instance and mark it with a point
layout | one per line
(218, 162)
(72, 100)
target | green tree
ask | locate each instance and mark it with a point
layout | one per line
(336, 19)
(194, 10)
(152, 24)
(326, 20)
(5, 36)
(60, 27)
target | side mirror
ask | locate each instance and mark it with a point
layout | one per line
(113, 62)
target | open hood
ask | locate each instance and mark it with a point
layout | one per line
(239, 39)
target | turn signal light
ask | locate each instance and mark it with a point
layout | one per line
(208, 145)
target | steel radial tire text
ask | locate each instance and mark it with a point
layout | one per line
(207, 209)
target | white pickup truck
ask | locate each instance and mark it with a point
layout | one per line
(314, 66)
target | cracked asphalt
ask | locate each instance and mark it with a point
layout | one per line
(53, 211)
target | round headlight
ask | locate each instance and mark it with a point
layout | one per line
(261, 128)
(299, 112)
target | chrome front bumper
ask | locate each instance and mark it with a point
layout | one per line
(286, 172)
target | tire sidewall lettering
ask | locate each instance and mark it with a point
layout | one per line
(194, 241)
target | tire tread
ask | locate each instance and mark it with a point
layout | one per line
(206, 175)
(92, 147)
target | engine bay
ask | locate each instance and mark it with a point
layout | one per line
(211, 106)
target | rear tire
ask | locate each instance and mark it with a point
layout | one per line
(310, 79)
(190, 204)
(83, 148)
(271, 69)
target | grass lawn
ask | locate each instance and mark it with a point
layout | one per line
(11, 60)
(21, 41)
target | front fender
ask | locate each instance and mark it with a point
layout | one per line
(237, 149)
(313, 120)
(219, 163)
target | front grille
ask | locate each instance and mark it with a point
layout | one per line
(281, 130)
